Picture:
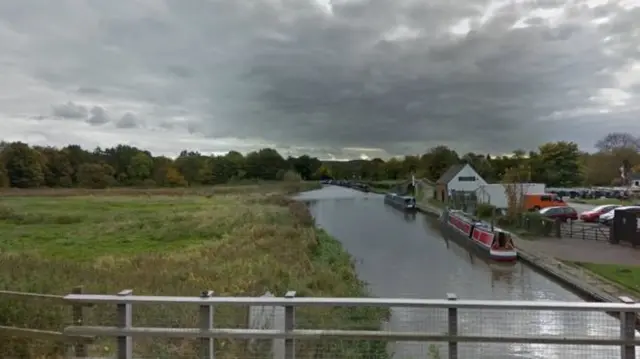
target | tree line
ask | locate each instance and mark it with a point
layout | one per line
(558, 164)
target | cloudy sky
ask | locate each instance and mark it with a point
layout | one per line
(335, 78)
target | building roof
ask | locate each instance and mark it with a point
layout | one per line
(450, 174)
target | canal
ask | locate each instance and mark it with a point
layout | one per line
(406, 256)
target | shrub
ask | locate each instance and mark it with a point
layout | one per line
(485, 210)
(536, 223)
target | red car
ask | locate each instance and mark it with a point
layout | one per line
(564, 213)
(594, 214)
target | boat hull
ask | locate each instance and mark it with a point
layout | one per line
(399, 203)
(478, 239)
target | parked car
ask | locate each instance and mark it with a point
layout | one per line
(594, 214)
(607, 218)
(535, 202)
(564, 213)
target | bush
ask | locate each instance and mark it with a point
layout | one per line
(485, 210)
(291, 176)
(536, 223)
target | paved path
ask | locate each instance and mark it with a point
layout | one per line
(578, 250)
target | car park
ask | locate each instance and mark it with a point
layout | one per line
(563, 213)
(594, 214)
(607, 218)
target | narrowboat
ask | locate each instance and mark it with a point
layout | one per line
(493, 242)
(404, 203)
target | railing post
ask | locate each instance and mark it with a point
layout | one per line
(453, 327)
(627, 330)
(289, 325)
(124, 315)
(79, 348)
(206, 323)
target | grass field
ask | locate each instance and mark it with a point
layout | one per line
(232, 240)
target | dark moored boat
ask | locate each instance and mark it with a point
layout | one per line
(404, 203)
(495, 243)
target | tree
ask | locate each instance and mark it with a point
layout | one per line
(140, 167)
(265, 164)
(557, 164)
(438, 160)
(324, 172)
(58, 171)
(24, 166)
(173, 178)
(603, 168)
(304, 165)
(4, 179)
(513, 182)
(96, 175)
(618, 140)
(562, 163)
(193, 167)
(393, 169)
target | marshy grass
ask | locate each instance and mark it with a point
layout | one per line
(242, 241)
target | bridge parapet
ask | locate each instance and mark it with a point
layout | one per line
(450, 321)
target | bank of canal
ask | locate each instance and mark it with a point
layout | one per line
(406, 256)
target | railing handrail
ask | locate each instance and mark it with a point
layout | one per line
(624, 306)
(408, 336)
(13, 293)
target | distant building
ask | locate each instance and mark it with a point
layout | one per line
(461, 177)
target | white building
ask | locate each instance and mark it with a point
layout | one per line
(460, 177)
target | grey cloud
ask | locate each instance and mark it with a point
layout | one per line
(291, 74)
(99, 116)
(88, 90)
(129, 120)
(70, 110)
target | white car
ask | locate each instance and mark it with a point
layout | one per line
(608, 217)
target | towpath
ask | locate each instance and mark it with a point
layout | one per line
(578, 250)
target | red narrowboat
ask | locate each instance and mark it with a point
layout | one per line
(495, 243)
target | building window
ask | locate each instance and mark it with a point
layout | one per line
(467, 178)
(637, 183)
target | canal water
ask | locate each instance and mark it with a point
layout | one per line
(406, 256)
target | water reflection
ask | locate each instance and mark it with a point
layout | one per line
(408, 257)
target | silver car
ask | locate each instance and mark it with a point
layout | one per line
(607, 218)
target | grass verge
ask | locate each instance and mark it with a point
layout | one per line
(242, 241)
(625, 275)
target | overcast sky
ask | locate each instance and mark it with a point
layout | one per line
(334, 78)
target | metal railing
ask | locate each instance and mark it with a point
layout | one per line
(125, 331)
(78, 342)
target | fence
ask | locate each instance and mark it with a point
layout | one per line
(458, 319)
(78, 342)
(585, 231)
(546, 227)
